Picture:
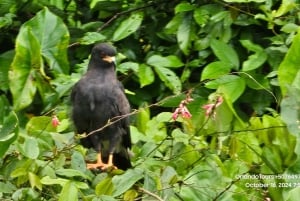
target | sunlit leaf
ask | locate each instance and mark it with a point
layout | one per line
(127, 66)
(71, 173)
(146, 75)
(289, 67)
(41, 40)
(201, 16)
(125, 181)
(34, 181)
(105, 187)
(285, 6)
(69, 192)
(168, 61)
(92, 37)
(231, 86)
(77, 161)
(7, 187)
(255, 60)
(290, 110)
(215, 70)
(39, 124)
(169, 78)
(30, 148)
(143, 117)
(183, 7)
(128, 26)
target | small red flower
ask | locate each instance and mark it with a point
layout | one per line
(55, 121)
(210, 108)
(182, 109)
(185, 112)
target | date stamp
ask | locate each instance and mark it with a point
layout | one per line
(270, 181)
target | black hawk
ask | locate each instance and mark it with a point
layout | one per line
(99, 103)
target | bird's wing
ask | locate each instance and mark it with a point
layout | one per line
(124, 109)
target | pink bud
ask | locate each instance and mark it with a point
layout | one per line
(55, 121)
(208, 109)
(185, 113)
(175, 114)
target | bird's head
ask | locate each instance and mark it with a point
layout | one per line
(105, 53)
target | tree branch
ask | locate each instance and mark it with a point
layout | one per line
(122, 13)
(150, 193)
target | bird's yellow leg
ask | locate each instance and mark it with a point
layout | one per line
(100, 164)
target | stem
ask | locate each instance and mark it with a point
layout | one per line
(150, 193)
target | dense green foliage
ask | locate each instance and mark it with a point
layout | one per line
(214, 88)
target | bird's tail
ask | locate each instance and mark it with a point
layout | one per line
(122, 161)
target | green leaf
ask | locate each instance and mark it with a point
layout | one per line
(289, 67)
(53, 37)
(254, 61)
(285, 6)
(128, 26)
(38, 124)
(290, 111)
(5, 61)
(127, 66)
(125, 181)
(290, 27)
(91, 38)
(34, 180)
(71, 173)
(105, 187)
(43, 39)
(231, 86)
(179, 136)
(50, 181)
(169, 78)
(201, 16)
(173, 25)
(22, 84)
(7, 187)
(225, 53)
(77, 161)
(6, 20)
(215, 70)
(130, 195)
(62, 182)
(142, 117)
(160, 61)
(146, 75)
(8, 132)
(184, 34)
(183, 7)
(293, 194)
(30, 148)
(69, 192)
(244, 1)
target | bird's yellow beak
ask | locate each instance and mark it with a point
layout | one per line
(109, 59)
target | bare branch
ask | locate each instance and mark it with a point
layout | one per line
(150, 193)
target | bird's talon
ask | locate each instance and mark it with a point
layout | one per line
(102, 166)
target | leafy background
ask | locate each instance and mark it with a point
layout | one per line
(246, 51)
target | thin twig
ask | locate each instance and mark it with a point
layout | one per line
(115, 17)
(151, 194)
(226, 189)
(122, 13)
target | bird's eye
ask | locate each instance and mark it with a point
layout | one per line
(102, 55)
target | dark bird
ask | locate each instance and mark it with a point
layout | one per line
(99, 103)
